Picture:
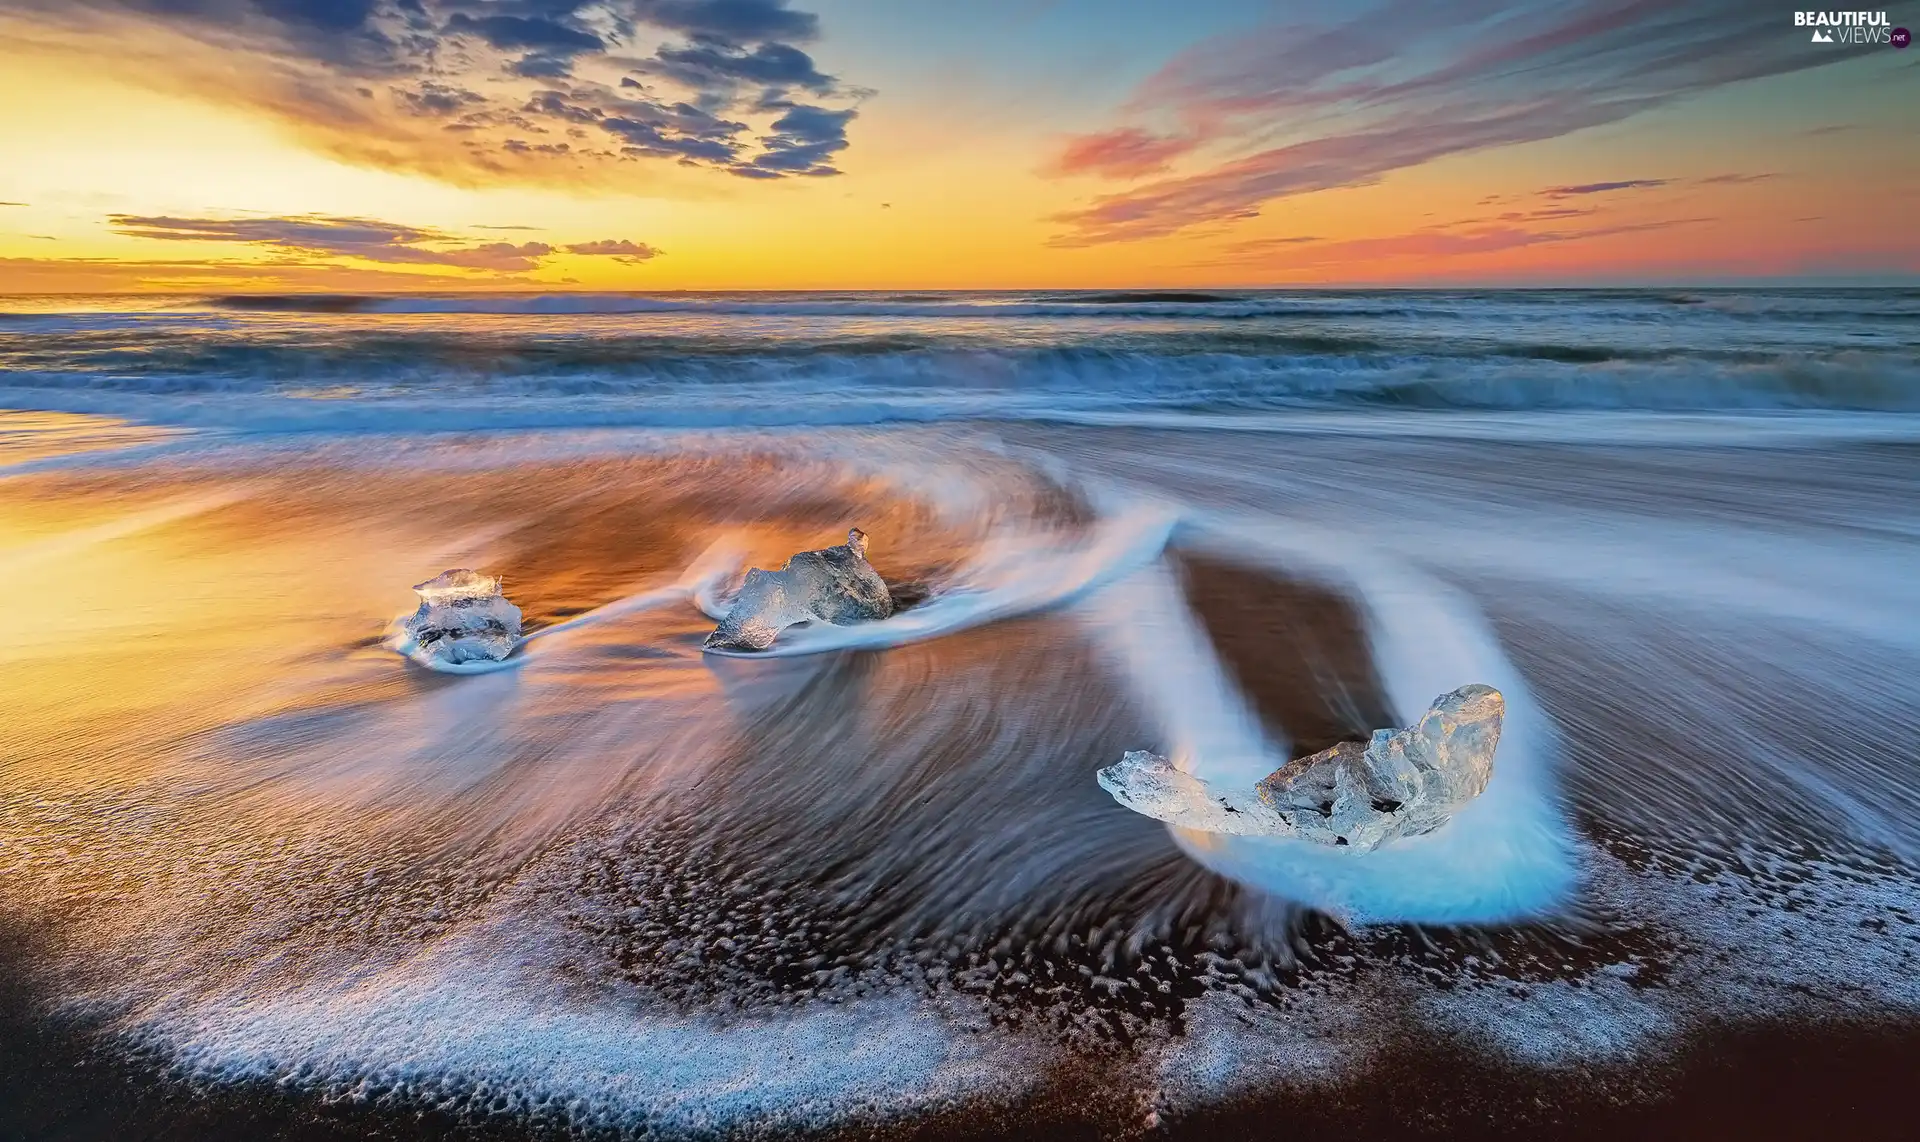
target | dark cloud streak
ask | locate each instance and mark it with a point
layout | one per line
(386, 80)
(510, 33)
(803, 142)
(736, 21)
(1604, 187)
(619, 249)
(367, 239)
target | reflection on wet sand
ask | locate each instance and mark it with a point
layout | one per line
(27, 436)
(1324, 689)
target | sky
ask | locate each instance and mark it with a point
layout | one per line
(383, 145)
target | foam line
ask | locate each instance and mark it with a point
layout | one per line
(1011, 579)
(460, 1024)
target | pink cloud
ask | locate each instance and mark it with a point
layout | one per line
(1438, 243)
(1125, 152)
(1314, 108)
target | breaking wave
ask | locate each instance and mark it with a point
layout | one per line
(288, 389)
(404, 363)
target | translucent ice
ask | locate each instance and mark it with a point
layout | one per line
(1401, 784)
(1148, 783)
(835, 585)
(463, 617)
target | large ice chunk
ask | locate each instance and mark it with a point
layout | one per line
(1401, 784)
(463, 617)
(835, 585)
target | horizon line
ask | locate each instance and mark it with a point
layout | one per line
(1797, 282)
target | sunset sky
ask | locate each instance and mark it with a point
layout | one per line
(361, 145)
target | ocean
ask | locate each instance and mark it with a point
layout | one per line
(262, 876)
(768, 359)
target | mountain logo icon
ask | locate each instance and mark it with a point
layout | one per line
(1820, 37)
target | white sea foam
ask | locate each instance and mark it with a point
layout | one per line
(467, 1026)
(1311, 400)
(1650, 428)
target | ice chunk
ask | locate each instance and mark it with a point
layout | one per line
(1148, 783)
(835, 585)
(1401, 784)
(463, 617)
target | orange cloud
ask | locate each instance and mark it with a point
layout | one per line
(1127, 152)
(1438, 245)
(368, 240)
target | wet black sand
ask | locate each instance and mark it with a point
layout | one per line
(1296, 649)
(1778, 1081)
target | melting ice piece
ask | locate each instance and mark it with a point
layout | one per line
(1401, 784)
(1148, 783)
(463, 617)
(835, 585)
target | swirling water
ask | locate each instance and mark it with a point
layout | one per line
(629, 887)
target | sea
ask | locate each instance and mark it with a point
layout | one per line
(263, 876)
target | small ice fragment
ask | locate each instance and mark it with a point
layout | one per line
(835, 585)
(463, 617)
(1401, 784)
